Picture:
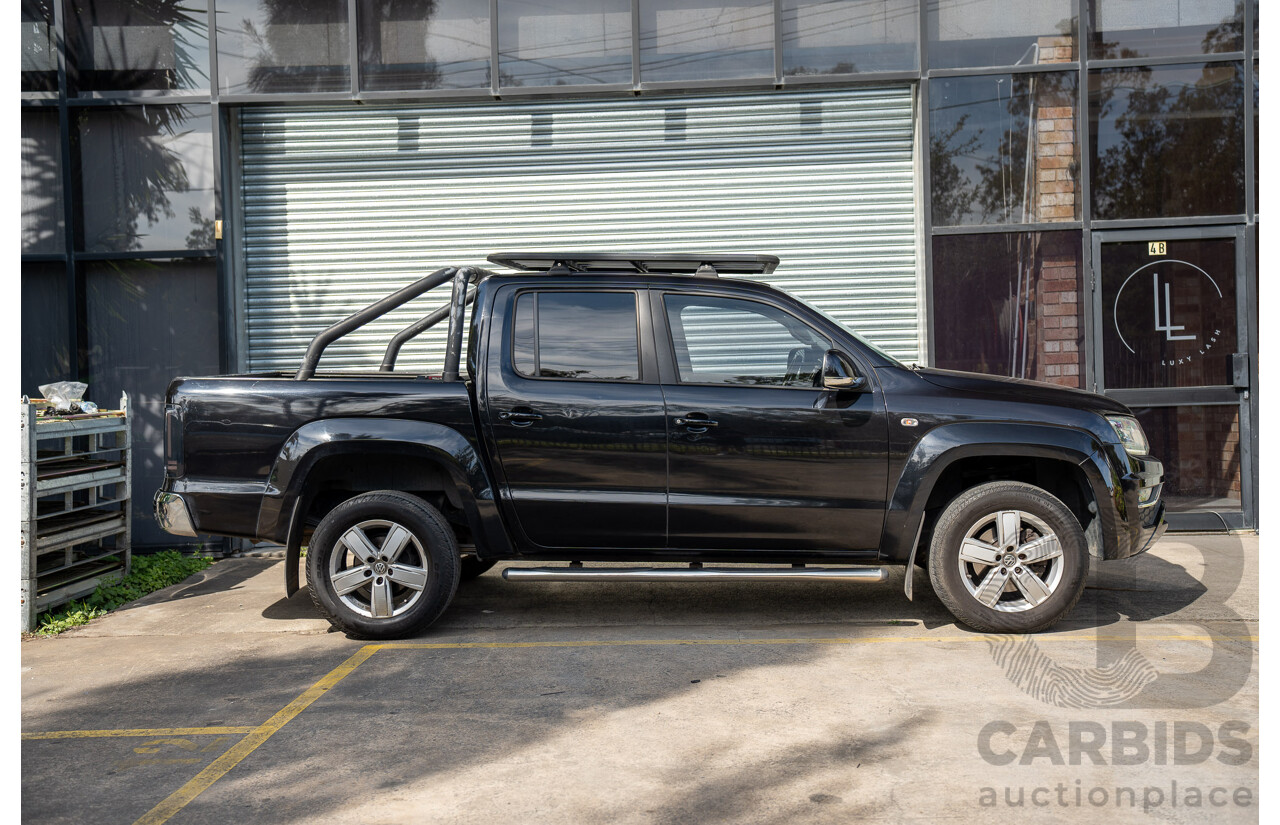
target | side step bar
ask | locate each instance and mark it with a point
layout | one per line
(700, 574)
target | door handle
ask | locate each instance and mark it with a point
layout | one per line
(696, 424)
(520, 418)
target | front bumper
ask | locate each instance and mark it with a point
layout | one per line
(1134, 520)
(172, 514)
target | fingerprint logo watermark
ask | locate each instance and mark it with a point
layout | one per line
(1039, 676)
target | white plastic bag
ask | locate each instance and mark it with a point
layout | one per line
(64, 396)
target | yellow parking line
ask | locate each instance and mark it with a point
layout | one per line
(104, 734)
(177, 800)
(256, 736)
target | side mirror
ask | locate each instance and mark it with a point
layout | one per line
(837, 375)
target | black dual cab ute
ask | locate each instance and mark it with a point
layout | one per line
(638, 408)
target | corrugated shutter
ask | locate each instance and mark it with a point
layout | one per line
(343, 205)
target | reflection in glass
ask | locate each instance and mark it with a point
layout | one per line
(282, 46)
(1200, 449)
(127, 45)
(588, 336)
(1167, 141)
(1124, 28)
(148, 178)
(727, 341)
(39, 60)
(1010, 304)
(424, 44)
(973, 33)
(849, 36)
(148, 321)
(705, 40)
(46, 355)
(564, 42)
(1169, 320)
(42, 205)
(1003, 149)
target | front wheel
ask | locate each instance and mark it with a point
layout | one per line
(382, 565)
(1008, 557)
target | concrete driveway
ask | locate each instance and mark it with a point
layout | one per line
(219, 701)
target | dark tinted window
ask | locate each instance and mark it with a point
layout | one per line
(424, 44)
(587, 336)
(148, 178)
(1010, 304)
(124, 45)
(1167, 141)
(269, 46)
(39, 60)
(1003, 149)
(1168, 319)
(42, 205)
(972, 33)
(1164, 28)
(46, 354)
(564, 42)
(728, 341)
(1200, 448)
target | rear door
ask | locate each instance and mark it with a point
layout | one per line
(760, 456)
(575, 415)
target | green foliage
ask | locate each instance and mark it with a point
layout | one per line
(149, 574)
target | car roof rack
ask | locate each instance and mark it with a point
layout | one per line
(707, 264)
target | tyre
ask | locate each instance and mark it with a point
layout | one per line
(473, 567)
(382, 565)
(1008, 557)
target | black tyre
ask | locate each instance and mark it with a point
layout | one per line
(473, 567)
(1008, 557)
(382, 565)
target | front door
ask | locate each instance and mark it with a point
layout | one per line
(761, 457)
(1172, 342)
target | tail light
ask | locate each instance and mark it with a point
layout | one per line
(174, 463)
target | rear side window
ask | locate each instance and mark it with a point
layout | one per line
(581, 336)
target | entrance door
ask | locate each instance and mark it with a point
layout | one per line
(1172, 341)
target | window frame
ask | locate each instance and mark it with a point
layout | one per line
(644, 364)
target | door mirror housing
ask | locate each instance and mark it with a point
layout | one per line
(837, 374)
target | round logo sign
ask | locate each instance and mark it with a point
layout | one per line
(1172, 312)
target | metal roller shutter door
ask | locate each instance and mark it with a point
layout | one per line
(344, 205)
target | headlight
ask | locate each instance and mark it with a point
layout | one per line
(1130, 433)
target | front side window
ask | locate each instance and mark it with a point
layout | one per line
(583, 336)
(745, 343)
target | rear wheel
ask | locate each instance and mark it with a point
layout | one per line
(1008, 557)
(382, 565)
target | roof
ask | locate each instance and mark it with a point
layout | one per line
(693, 263)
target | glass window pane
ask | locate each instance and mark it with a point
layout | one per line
(725, 341)
(39, 60)
(125, 45)
(524, 344)
(564, 42)
(1200, 449)
(46, 342)
(424, 44)
(705, 40)
(148, 178)
(973, 33)
(147, 323)
(42, 205)
(1010, 304)
(849, 36)
(1124, 28)
(1168, 320)
(266, 46)
(588, 336)
(1003, 149)
(1167, 141)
